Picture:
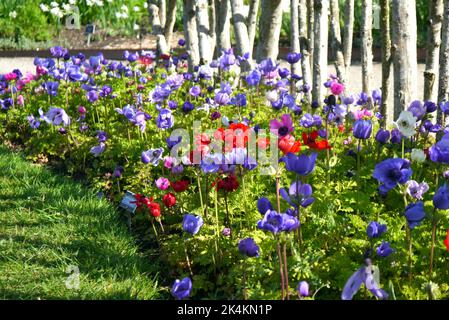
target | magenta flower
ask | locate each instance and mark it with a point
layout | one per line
(162, 183)
(337, 88)
(283, 127)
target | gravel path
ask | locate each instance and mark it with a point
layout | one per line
(354, 86)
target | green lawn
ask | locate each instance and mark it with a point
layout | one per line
(48, 223)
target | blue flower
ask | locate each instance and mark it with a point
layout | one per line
(253, 78)
(364, 275)
(263, 205)
(298, 194)
(97, 150)
(362, 129)
(439, 152)
(392, 172)
(181, 288)
(375, 229)
(382, 136)
(415, 214)
(384, 250)
(165, 119)
(303, 289)
(417, 109)
(441, 198)
(248, 247)
(293, 57)
(57, 116)
(152, 156)
(302, 165)
(51, 87)
(192, 224)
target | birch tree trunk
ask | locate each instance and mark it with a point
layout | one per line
(212, 26)
(162, 12)
(202, 24)
(367, 45)
(433, 49)
(222, 25)
(337, 47)
(320, 49)
(311, 30)
(252, 22)
(304, 44)
(170, 23)
(191, 33)
(269, 29)
(405, 64)
(386, 60)
(157, 29)
(348, 34)
(241, 32)
(443, 85)
(294, 34)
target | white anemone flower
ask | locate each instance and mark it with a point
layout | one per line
(72, 2)
(418, 155)
(136, 9)
(44, 7)
(13, 14)
(54, 4)
(406, 123)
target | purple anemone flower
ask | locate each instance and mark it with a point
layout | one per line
(416, 190)
(293, 57)
(441, 198)
(283, 127)
(364, 275)
(57, 116)
(58, 52)
(298, 194)
(415, 214)
(392, 172)
(384, 250)
(152, 156)
(418, 109)
(92, 96)
(192, 224)
(439, 152)
(382, 136)
(97, 150)
(34, 123)
(263, 205)
(375, 229)
(362, 129)
(51, 87)
(253, 78)
(181, 288)
(165, 119)
(302, 164)
(248, 247)
(303, 289)
(275, 222)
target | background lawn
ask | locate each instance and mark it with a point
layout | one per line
(48, 223)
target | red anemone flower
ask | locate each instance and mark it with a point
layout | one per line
(287, 144)
(180, 186)
(446, 241)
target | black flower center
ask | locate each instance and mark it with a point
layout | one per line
(283, 131)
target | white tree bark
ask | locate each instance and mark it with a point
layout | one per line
(337, 46)
(241, 32)
(405, 60)
(348, 34)
(252, 22)
(170, 22)
(433, 49)
(212, 26)
(222, 24)
(157, 29)
(304, 44)
(202, 23)
(191, 33)
(294, 34)
(311, 29)
(443, 86)
(269, 29)
(162, 12)
(367, 45)
(386, 61)
(321, 9)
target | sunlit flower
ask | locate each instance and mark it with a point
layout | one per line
(406, 123)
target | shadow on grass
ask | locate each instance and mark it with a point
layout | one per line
(48, 223)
